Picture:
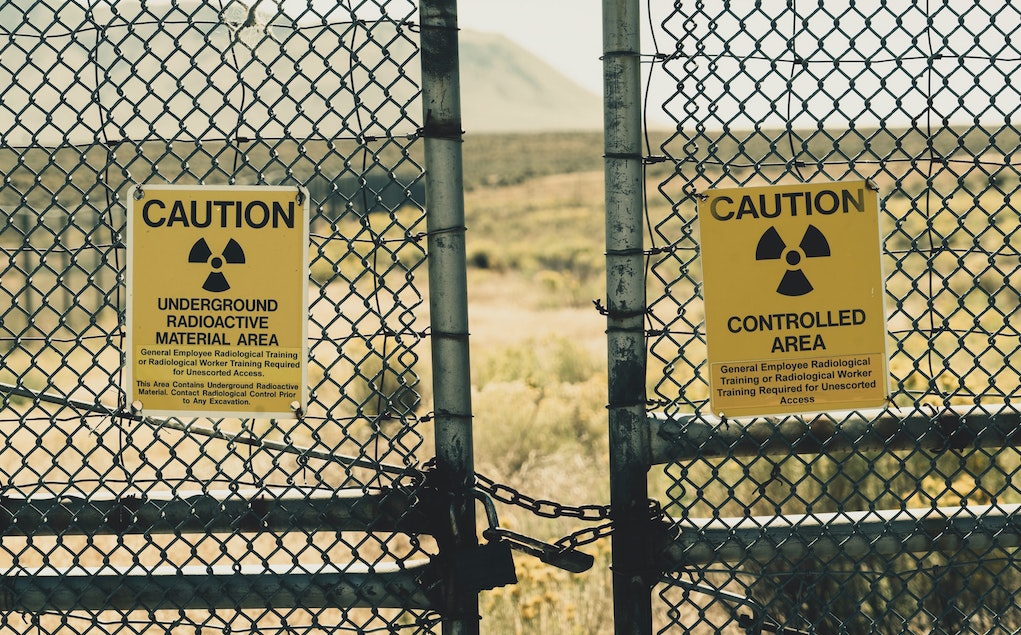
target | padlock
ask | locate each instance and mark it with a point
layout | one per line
(486, 566)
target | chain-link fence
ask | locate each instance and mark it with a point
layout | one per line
(902, 519)
(116, 521)
(898, 519)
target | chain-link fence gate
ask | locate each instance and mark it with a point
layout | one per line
(902, 519)
(115, 521)
(897, 520)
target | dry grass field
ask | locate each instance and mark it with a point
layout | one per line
(539, 375)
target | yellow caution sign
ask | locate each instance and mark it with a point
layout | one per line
(794, 298)
(217, 303)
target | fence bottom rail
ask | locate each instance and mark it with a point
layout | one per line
(849, 534)
(223, 587)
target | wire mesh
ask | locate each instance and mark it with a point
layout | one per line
(98, 97)
(840, 522)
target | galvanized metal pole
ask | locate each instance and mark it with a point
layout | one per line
(448, 299)
(633, 576)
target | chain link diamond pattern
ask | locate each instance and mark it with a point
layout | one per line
(882, 534)
(113, 522)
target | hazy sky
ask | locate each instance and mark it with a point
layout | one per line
(746, 72)
(854, 79)
(568, 34)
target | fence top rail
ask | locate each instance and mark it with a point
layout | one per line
(696, 436)
(226, 570)
(219, 511)
(266, 492)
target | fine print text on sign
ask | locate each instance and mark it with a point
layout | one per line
(217, 300)
(794, 291)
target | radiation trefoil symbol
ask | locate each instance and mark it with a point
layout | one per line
(232, 254)
(772, 247)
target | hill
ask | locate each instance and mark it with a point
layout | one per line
(505, 88)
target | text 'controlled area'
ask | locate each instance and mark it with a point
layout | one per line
(789, 323)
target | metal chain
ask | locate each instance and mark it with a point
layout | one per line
(589, 535)
(585, 536)
(540, 507)
(552, 509)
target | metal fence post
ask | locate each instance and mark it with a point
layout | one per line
(625, 288)
(448, 295)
